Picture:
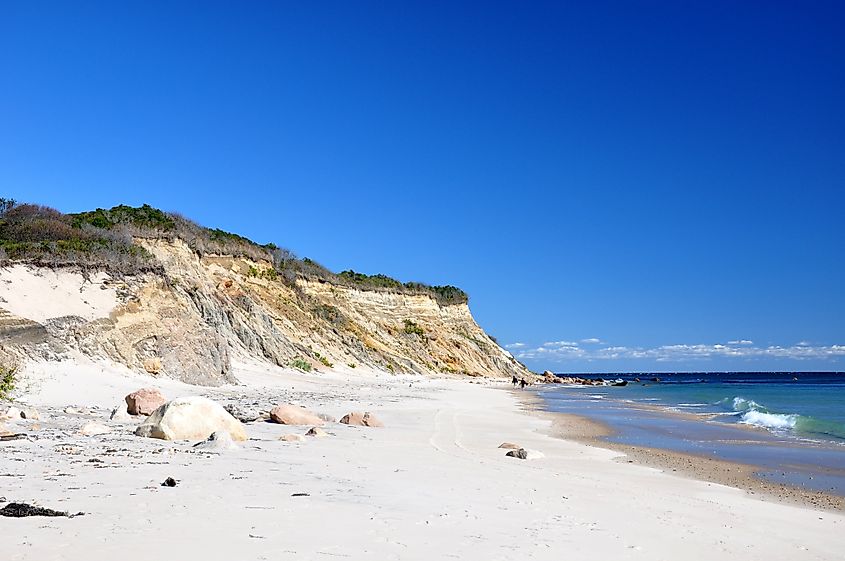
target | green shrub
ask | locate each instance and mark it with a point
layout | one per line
(351, 364)
(144, 216)
(263, 273)
(411, 328)
(45, 236)
(301, 364)
(104, 238)
(7, 381)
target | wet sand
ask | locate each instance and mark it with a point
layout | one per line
(703, 468)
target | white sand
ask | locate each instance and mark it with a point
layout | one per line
(39, 294)
(432, 485)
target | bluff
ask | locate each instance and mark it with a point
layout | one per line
(186, 306)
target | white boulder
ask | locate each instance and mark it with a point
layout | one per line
(190, 418)
(93, 429)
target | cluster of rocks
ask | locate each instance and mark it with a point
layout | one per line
(215, 428)
(219, 428)
(550, 377)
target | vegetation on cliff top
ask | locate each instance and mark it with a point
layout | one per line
(105, 239)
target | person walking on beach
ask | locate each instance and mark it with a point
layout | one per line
(514, 381)
(522, 383)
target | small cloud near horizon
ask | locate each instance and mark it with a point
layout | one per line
(560, 351)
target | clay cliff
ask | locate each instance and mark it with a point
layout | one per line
(196, 312)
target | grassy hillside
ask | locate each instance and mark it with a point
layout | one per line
(104, 239)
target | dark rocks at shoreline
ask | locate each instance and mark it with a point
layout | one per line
(549, 378)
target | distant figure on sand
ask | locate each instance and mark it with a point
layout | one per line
(522, 383)
(514, 381)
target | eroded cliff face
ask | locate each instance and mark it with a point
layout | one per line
(190, 322)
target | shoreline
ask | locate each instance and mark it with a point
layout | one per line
(581, 429)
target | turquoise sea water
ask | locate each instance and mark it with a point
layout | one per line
(801, 417)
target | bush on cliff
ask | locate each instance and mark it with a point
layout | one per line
(104, 239)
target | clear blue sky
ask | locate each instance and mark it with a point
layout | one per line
(662, 177)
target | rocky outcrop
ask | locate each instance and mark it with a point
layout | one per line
(189, 320)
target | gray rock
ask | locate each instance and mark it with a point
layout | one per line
(219, 441)
(327, 418)
(521, 454)
(525, 454)
(243, 413)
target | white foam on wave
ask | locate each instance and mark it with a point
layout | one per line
(769, 420)
(742, 404)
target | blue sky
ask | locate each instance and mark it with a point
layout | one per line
(618, 185)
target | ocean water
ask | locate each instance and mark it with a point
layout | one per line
(801, 417)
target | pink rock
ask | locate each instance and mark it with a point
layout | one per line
(361, 419)
(144, 401)
(294, 415)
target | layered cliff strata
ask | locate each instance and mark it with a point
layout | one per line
(189, 321)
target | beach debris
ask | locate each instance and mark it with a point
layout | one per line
(292, 438)
(317, 432)
(217, 441)
(93, 429)
(294, 415)
(169, 482)
(243, 414)
(6, 436)
(525, 454)
(359, 419)
(190, 418)
(22, 510)
(510, 445)
(300, 494)
(144, 401)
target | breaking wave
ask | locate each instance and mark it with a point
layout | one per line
(750, 412)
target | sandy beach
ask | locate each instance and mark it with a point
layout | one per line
(432, 484)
